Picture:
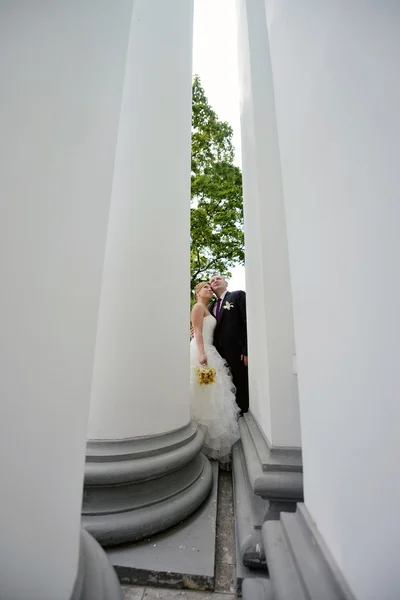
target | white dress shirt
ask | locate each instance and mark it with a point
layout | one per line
(215, 305)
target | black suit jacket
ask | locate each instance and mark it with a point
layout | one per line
(230, 334)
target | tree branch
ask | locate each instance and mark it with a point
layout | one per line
(213, 261)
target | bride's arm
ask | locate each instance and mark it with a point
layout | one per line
(197, 317)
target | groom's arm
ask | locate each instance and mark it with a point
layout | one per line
(243, 319)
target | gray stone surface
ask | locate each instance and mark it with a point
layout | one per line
(181, 557)
(249, 516)
(96, 579)
(133, 593)
(138, 459)
(225, 554)
(300, 565)
(276, 480)
(137, 488)
(225, 579)
(128, 513)
(242, 572)
(276, 459)
(225, 557)
(226, 548)
(258, 589)
(250, 511)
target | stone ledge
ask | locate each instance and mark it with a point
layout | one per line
(139, 487)
(119, 514)
(180, 557)
(257, 589)
(140, 459)
(250, 511)
(273, 459)
(96, 579)
(300, 565)
(280, 479)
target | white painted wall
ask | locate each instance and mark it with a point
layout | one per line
(337, 94)
(141, 370)
(61, 73)
(273, 384)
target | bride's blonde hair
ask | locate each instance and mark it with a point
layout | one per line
(199, 286)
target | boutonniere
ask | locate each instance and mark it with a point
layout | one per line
(228, 305)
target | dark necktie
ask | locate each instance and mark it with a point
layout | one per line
(217, 312)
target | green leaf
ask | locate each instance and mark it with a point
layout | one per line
(216, 230)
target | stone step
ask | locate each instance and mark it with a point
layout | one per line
(249, 515)
(180, 557)
(300, 565)
(273, 475)
(250, 511)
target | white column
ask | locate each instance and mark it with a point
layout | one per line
(337, 95)
(272, 378)
(140, 412)
(61, 73)
(140, 377)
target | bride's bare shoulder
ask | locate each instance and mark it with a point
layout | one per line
(199, 309)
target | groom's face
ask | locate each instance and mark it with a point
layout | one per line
(218, 284)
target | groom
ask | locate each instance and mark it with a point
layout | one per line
(230, 335)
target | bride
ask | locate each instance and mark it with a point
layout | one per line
(213, 404)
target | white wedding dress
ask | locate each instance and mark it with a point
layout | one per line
(213, 406)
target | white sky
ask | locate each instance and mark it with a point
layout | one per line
(215, 61)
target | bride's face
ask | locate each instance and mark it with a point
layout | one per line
(205, 293)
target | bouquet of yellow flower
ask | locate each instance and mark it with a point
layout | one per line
(205, 375)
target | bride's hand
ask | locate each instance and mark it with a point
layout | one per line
(203, 359)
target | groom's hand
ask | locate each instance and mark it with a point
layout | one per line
(244, 359)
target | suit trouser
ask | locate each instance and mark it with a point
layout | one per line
(241, 382)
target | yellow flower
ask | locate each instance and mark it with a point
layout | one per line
(205, 375)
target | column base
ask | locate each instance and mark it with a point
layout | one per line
(96, 579)
(183, 557)
(274, 473)
(136, 488)
(266, 482)
(301, 567)
(250, 511)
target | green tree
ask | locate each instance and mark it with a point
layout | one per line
(216, 229)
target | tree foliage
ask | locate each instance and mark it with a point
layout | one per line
(217, 238)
